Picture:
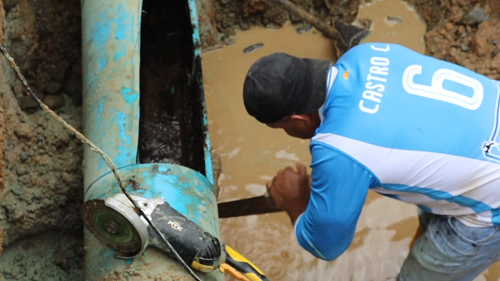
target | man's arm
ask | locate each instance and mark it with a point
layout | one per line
(339, 188)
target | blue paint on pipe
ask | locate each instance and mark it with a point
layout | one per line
(119, 54)
(129, 95)
(101, 30)
(132, 26)
(196, 32)
(102, 61)
(208, 147)
(122, 122)
(120, 22)
(100, 109)
(109, 255)
(112, 21)
(162, 169)
(122, 156)
(116, 17)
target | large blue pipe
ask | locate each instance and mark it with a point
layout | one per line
(111, 60)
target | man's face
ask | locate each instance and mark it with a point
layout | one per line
(301, 126)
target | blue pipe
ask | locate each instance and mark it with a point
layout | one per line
(111, 61)
(197, 53)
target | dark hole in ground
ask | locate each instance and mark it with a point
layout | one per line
(171, 128)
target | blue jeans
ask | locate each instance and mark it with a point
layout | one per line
(450, 250)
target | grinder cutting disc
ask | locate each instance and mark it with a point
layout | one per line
(121, 232)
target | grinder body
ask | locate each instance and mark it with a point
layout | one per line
(198, 248)
(116, 223)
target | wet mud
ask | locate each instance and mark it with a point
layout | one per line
(171, 129)
(400, 23)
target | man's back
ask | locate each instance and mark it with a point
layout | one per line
(406, 125)
(425, 128)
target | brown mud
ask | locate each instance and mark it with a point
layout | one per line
(42, 180)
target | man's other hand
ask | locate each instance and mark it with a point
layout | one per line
(290, 190)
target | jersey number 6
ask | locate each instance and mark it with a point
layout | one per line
(437, 92)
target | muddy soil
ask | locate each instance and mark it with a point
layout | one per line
(468, 37)
(227, 15)
(43, 180)
(42, 257)
(42, 190)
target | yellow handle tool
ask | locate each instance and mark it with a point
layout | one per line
(240, 267)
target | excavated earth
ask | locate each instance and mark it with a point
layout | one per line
(41, 176)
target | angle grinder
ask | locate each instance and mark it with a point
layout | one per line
(116, 223)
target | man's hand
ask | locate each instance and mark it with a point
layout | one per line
(290, 190)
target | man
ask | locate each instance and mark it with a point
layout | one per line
(405, 125)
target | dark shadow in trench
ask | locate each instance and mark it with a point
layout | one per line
(171, 126)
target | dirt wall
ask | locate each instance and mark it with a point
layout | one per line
(2, 184)
(42, 161)
(220, 18)
(43, 179)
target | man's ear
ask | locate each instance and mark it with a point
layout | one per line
(300, 117)
(307, 119)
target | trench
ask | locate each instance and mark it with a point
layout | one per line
(171, 131)
(252, 153)
(170, 127)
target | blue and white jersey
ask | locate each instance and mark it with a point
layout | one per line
(408, 126)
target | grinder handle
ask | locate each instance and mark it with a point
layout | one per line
(243, 265)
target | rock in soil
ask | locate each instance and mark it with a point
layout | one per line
(53, 87)
(54, 102)
(73, 84)
(27, 103)
(19, 90)
(17, 190)
(59, 71)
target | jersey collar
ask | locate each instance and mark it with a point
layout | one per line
(332, 74)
